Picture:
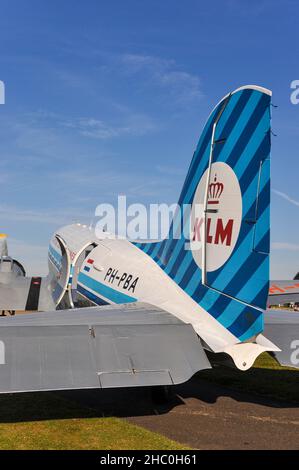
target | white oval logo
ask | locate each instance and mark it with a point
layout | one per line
(223, 219)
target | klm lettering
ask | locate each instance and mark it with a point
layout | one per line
(221, 235)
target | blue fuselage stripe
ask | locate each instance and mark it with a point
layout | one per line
(89, 295)
(105, 291)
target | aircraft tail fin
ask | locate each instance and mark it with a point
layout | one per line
(219, 253)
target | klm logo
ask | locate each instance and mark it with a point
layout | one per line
(222, 232)
(2, 92)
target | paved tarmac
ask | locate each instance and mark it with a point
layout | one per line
(203, 415)
(215, 418)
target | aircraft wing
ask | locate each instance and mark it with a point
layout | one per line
(25, 293)
(282, 327)
(283, 292)
(99, 347)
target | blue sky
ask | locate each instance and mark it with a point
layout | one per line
(109, 97)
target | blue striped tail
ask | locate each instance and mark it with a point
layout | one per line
(222, 258)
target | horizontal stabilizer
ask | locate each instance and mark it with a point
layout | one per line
(116, 346)
(282, 327)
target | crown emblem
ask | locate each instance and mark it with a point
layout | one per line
(215, 191)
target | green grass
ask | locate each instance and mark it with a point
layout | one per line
(266, 378)
(26, 423)
(89, 434)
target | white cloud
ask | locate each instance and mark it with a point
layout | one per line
(43, 132)
(53, 217)
(133, 124)
(108, 184)
(183, 86)
(38, 138)
(286, 197)
(285, 246)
